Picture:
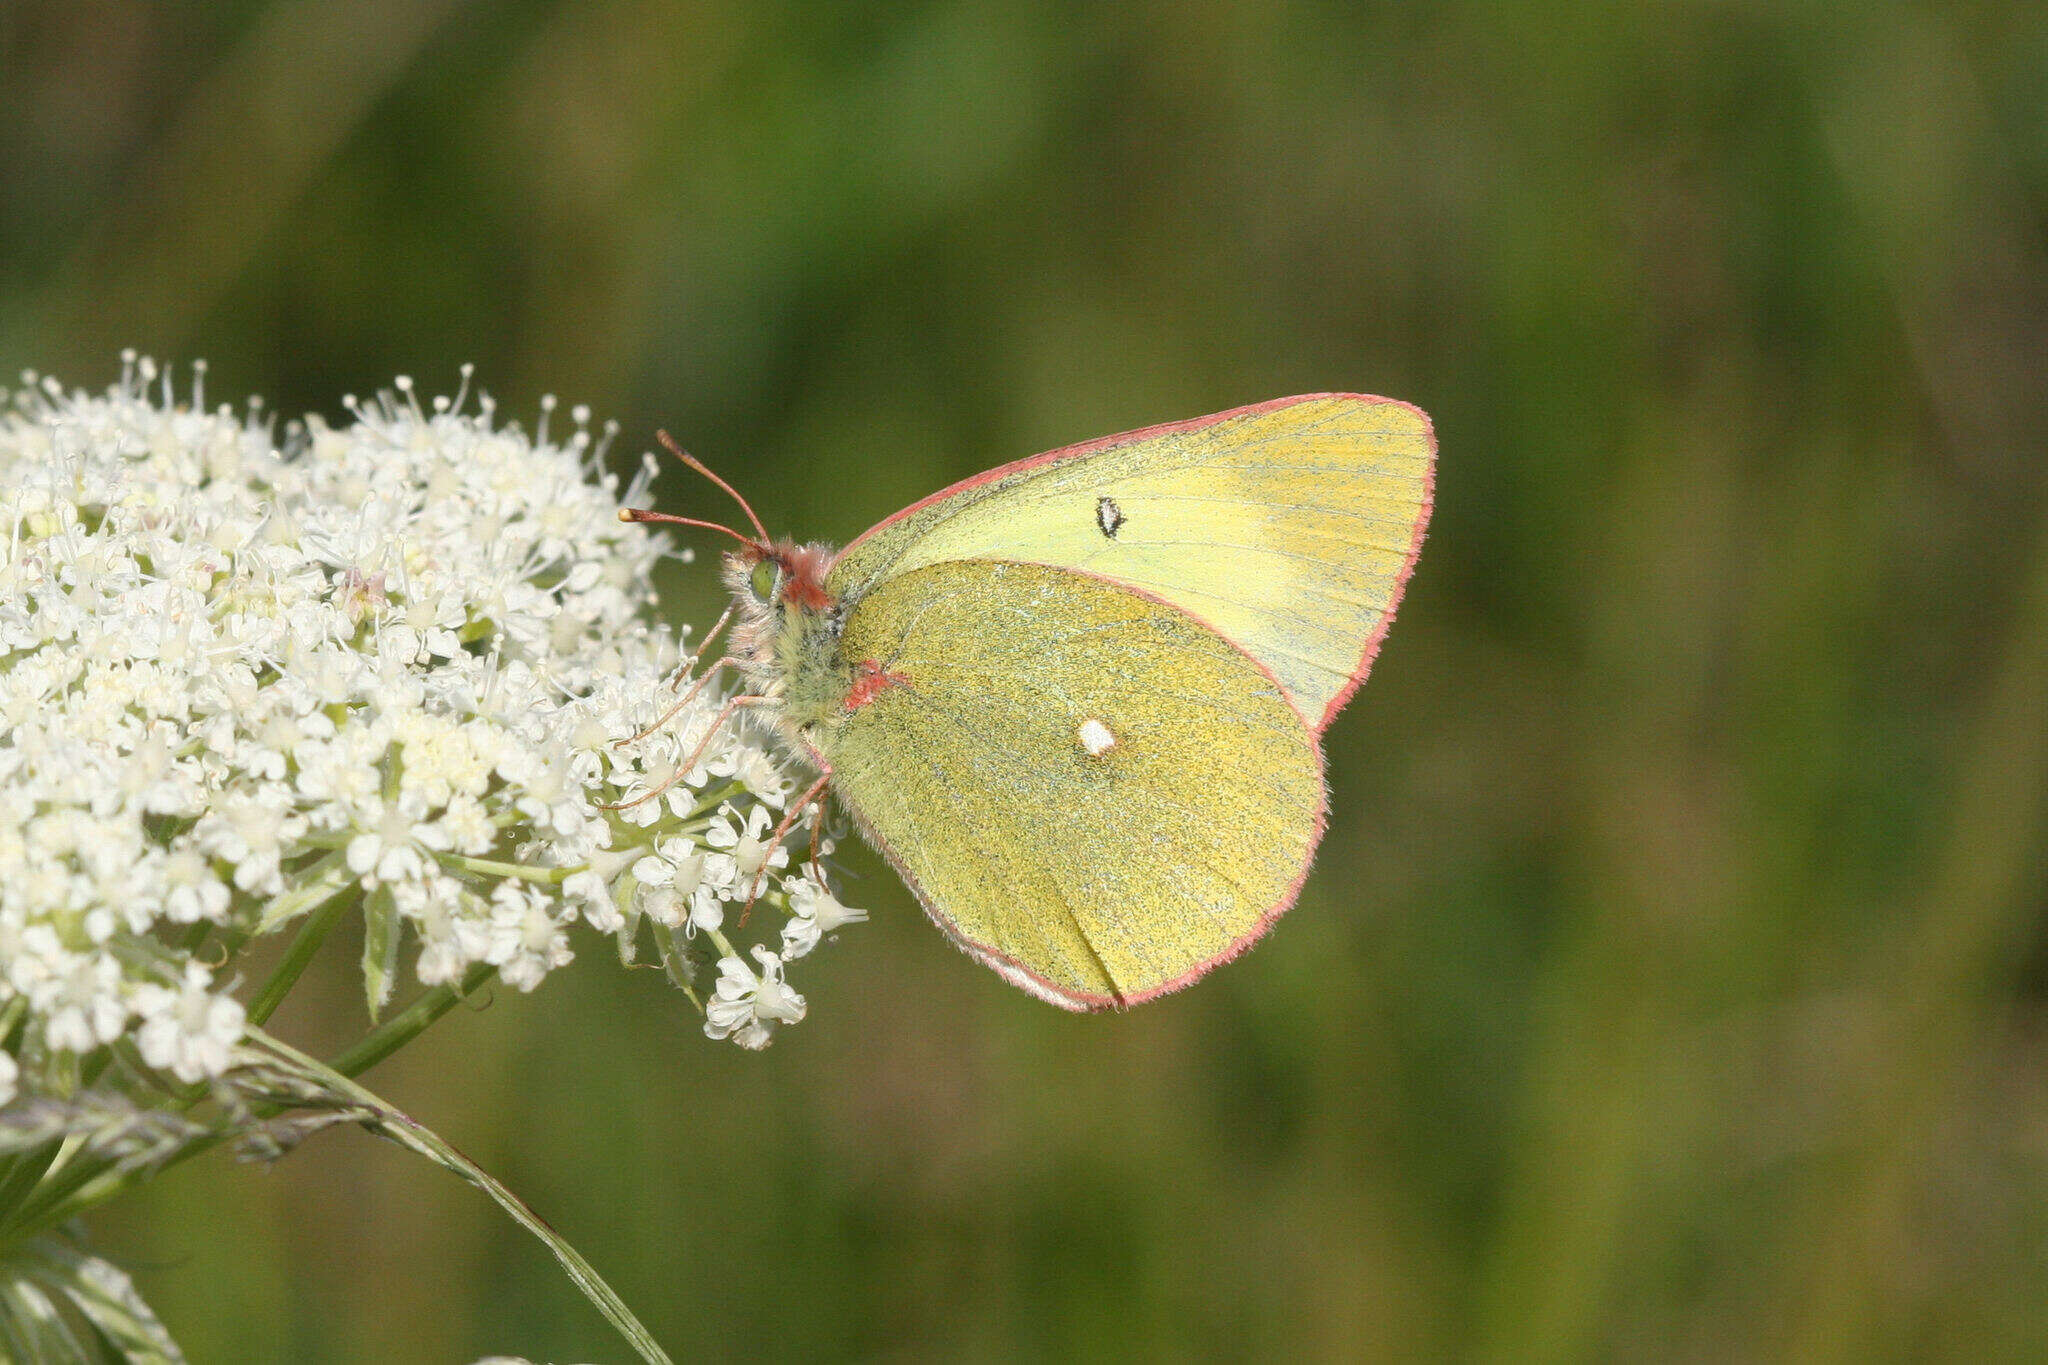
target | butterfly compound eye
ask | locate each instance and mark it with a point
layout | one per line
(763, 581)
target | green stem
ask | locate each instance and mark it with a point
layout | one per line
(402, 1027)
(407, 1132)
(307, 943)
(484, 867)
(672, 962)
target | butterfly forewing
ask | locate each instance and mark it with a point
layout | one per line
(1288, 528)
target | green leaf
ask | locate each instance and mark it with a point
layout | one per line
(380, 948)
(34, 1322)
(23, 1164)
(98, 1130)
(316, 885)
(104, 1297)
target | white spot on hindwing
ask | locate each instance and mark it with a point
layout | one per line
(1108, 516)
(1096, 737)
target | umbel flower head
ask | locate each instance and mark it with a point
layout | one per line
(386, 665)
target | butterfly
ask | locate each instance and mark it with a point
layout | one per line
(1077, 701)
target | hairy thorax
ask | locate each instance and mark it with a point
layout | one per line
(787, 638)
(816, 680)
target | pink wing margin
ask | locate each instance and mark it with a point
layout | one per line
(1101, 443)
(1017, 974)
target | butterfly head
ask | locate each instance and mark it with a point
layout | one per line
(763, 573)
(772, 575)
(782, 610)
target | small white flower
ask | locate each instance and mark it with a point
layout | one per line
(396, 842)
(757, 771)
(744, 851)
(191, 890)
(82, 1003)
(814, 912)
(681, 872)
(466, 823)
(526, 941)
(548, 796)
(187, 1030)
(453, 925)
(336, 773)
(597, 889)
(746, 1006)
(251, 830)
(9, 1071)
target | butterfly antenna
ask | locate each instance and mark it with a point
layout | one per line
(642, 514)
(693, 462)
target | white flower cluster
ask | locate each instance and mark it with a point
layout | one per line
(243, 679)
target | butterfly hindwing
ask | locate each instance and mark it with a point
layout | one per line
(1085, 786)
(1289, 528)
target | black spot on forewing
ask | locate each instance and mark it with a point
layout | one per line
(1108, 516)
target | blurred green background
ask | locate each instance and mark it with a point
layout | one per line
(1673, 983)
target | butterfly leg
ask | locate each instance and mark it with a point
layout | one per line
(720, 666)
(724, 714)
(817, 828)
(813, 797)
(689, 661)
